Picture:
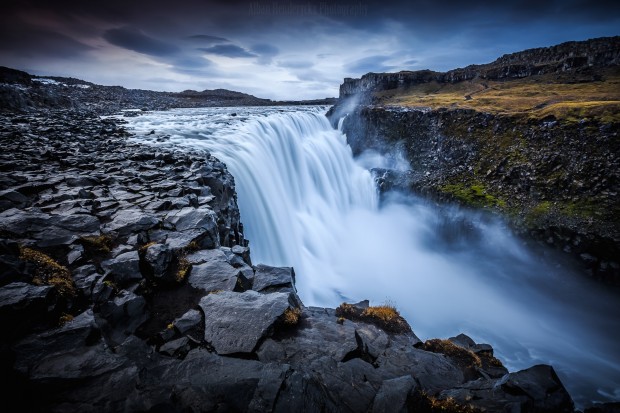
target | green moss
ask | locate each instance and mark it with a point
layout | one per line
(538, 212)
(474, 195)
(580, 209)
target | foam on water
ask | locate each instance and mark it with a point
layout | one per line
(305, 202)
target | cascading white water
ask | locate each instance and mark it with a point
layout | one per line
(305, 202)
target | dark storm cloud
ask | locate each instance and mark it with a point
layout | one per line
(191, 62)
(32, 41)
(208, 39)
(370, 64)
(132, 39)
(227, 50)
(265, 52)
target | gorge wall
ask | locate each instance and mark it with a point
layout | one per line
(570, 56)
(555, 178)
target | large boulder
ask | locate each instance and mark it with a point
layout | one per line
(236, 322)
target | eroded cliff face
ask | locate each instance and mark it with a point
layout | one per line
(551, 167)
(555, 181)
(569, 56)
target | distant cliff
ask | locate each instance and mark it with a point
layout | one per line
(570, 56)
(534, 135)
(22, 92)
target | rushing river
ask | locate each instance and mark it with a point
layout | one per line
(306, 202)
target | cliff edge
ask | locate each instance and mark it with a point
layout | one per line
(533, 135)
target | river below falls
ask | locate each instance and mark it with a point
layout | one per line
(306, 202)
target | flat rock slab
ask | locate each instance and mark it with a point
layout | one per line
(129, 221)
(215, 276)
(236, 322)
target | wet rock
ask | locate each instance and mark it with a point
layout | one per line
(267, 279)
(236, 322)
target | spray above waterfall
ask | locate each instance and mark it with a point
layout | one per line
(306, 202)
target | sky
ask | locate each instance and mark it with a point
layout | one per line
(279, 49)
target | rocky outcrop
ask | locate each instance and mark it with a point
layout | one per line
(127, 285)
(570, 56)
(539, 173)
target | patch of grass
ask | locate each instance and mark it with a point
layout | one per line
(422, 402)
(101, 244)
(192, 247)
(463, 357)
(142, 248)
(570, 97)
(48, 272)
(384, 313)
(182, 269)
(474, 195)
(291, 316)
(384, 316)
(111, 284)
(64, 319)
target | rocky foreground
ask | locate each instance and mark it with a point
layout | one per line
(126, 285)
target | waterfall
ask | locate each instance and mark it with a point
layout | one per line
(306, 202)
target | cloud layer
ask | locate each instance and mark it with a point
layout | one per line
(279, 49)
